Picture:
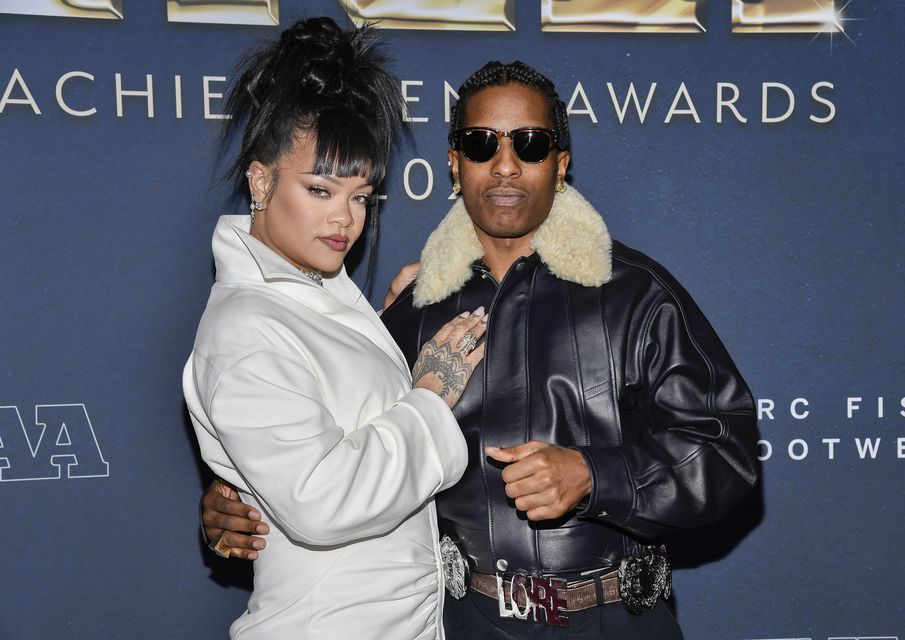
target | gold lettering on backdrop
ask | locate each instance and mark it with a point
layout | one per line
(666, 16)
(102, 9)
(785, 16)
(258, 12)
(458, 15)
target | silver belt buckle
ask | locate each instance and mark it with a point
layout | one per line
(643, 581)
(455, 568)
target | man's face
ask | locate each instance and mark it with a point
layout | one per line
(505, 196)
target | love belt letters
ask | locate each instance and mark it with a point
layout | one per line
(638, 583)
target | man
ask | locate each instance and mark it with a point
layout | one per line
(606, 411)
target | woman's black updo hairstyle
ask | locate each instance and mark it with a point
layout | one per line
(496, 73)
(320, 79)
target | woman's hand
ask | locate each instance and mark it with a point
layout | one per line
(447, 360)
(401, 280)
(224, 517)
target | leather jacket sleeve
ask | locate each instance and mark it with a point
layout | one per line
(689, 429)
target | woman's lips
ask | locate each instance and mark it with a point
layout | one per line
(337, 243)
(505, 196)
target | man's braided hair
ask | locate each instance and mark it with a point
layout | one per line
(496, 73)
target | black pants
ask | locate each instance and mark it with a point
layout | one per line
(476, 617)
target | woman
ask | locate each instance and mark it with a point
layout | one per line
(298, 395)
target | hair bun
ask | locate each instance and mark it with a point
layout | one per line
(314, 67)
(315, 57)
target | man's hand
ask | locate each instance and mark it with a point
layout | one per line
(225, 517)
(401, 280)
(547, 481)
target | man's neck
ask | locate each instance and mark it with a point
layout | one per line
(500, 253)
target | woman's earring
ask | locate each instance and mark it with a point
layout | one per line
(255, 206)
(560, 187)
(457, 188)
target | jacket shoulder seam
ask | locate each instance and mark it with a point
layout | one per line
(236, 361)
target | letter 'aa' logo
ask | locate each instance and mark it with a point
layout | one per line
(60, 444)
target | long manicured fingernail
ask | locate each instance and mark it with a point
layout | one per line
(485, 319)
(489, 449)
(479, 311)
(262, 528)
(465, 314)
(258, 544)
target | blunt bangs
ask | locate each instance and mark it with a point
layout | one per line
(346, 147)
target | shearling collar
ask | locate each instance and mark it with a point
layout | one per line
(573, 242)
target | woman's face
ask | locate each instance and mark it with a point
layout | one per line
(310, 220)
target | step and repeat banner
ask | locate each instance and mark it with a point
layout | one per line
(755, 148)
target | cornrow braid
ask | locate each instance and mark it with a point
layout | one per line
(496, 73)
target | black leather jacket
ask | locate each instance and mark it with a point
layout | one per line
(630, 373)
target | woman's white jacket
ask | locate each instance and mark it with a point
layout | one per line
(301, 399)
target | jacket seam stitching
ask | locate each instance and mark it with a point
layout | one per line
(679, 464)
(634, 485)
(576, 363)
(527, 398)
(645, 328)
(602, 389)
(236, 361)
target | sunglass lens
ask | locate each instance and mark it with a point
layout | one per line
(479, 146)
(532, 146)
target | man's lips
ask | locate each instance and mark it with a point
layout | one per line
(335, 242)
(505, 196)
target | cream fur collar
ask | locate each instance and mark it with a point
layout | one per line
(573, 242)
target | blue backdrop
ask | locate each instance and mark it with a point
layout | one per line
(789, 234)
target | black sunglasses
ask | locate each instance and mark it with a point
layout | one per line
(480, 144)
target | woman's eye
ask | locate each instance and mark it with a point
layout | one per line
(364, 199)
(319, 192)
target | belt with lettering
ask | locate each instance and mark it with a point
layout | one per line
(638, 583)
(523, 596)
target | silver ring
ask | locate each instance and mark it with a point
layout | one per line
(468, 342)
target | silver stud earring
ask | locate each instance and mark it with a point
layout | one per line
(248, 173)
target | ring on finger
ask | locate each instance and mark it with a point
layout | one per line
(468, 342)
(221, 548)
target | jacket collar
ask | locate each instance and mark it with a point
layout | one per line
(573, 242)
(241, 257)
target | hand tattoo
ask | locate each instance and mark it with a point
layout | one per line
(449, 366)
